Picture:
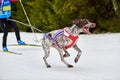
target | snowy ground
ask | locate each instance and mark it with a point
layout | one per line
(99, 61)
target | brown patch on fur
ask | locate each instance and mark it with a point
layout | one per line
(49, 35)
(80, 22)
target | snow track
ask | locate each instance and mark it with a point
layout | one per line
(100, 60)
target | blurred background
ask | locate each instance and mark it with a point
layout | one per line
(48, 15)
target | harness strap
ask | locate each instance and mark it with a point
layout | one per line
(47, 36)
(71, 37)
(52, 39)
(58, 34)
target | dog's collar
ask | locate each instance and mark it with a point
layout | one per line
(71, 37)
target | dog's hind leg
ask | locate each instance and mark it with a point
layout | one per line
(46, 49)
(47, 53)
(62, 58)
(79, 53)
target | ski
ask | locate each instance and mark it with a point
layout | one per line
(11, 52)
(24, 45)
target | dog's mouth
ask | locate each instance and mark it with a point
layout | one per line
(86, 30)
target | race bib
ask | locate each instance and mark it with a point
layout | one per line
(6, 8)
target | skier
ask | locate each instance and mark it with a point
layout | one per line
(5, 13)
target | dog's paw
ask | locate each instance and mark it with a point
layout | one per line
(70, 66)
(76, 60)
(48, 66)
(66, 55)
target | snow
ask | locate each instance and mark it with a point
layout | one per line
(99, 61)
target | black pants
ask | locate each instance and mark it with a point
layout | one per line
(4, 24)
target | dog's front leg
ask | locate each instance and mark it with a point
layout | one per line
(62, 58)
(66, 53)
(79, 53)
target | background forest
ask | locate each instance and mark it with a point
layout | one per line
(48, 15)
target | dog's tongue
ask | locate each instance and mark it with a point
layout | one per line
(86, 30)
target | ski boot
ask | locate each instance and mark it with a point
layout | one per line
(20, 42)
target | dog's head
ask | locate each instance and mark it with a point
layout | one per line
(85, 24)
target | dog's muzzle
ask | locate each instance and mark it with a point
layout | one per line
(86, 28)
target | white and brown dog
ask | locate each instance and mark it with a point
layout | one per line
(66, 38)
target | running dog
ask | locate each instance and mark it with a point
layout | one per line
(63, 39)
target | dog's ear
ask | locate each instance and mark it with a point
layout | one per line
(86, 21)
(77, 22)
(83, 22)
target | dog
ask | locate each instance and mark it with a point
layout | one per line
(63, 39)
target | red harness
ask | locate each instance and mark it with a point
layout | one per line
(71, 37)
